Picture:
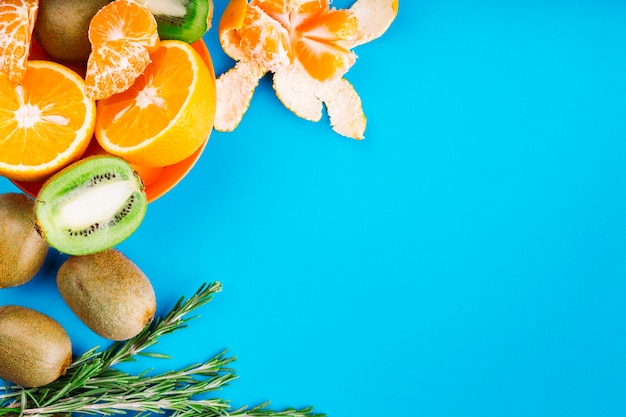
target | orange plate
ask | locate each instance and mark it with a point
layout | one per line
(170, 176)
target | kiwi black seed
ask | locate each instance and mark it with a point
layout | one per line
(108, 293)
(34, 348)
(184, 20)
(22, 250)
(62, 25)
(90, 205)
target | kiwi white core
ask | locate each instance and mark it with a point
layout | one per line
(91, 206)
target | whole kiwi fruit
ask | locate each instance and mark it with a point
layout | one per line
(108, 293)
(22, 250)
(62, 26)
(34, 348)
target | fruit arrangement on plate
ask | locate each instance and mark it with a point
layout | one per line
(103, 104)
(130, 81)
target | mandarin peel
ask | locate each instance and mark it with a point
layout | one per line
(46, 121)
(307, 47)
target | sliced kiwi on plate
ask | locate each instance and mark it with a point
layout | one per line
(90, 206)
(184, 20)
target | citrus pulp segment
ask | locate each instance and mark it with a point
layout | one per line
(122, 35)
(124, 19)
(113, 67)
(17, 21)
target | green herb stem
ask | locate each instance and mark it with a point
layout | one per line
(92, 386)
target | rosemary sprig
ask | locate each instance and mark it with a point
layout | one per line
(93, 386)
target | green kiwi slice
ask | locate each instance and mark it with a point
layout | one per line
(183, 20)
(90, 206)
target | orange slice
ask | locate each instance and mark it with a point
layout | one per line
(46, 121)
(166, 115)
(122, 34)
(17, 20)
(308, 47)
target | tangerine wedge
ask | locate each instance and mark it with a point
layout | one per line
(122, 35)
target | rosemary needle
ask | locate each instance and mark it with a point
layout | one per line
(93, 386)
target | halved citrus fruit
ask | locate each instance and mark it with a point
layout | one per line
(46, 121)
(17, 20)
(166, 115)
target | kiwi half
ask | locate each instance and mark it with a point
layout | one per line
(90, 206)
(184, 20)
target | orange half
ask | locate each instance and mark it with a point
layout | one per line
(166, 115)
(46, 121)
(17, 20)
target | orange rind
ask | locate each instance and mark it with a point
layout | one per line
(307, 46)
(17, 21)
(166, 115)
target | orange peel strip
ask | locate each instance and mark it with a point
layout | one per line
(113, 67)
(233, 16)
(235, 90)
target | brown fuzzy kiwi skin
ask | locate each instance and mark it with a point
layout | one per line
(35, 350)
(22, 250)
(108, 293)
(62, 26)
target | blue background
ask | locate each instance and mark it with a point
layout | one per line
(468, 258)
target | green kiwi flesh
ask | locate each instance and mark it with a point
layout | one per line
(184, 20)
(22, 250)
(34, 348)
(90, 206)
(108, 293)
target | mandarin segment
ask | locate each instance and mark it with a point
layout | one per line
(113, 67)
(122, 35)
(46, 121)
(17, 21)
(124, 19)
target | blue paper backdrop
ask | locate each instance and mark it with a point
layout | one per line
(466, 259)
